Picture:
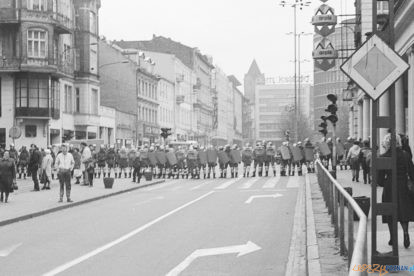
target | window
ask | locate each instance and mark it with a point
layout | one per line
(32, 93)
(92, 22)
(36, 43)
(30, 131)
(95, 102)
(37, 5)
(77, 100)
(68, 99)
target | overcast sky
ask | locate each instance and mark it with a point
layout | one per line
(234, 32)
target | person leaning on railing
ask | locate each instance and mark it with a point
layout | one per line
(405, 169)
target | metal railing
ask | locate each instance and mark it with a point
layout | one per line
(336, 198)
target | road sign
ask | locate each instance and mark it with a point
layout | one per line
(374, 67)
(15, 132)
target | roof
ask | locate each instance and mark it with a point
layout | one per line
(166, 45)
(254, 69)
(234, 80)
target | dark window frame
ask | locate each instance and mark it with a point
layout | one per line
(28, 130)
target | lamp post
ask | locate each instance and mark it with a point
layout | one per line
(295, 4)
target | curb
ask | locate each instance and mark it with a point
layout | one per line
(312, 249)
(67, 206)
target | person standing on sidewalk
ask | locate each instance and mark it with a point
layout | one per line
(366, 161)
(353, 158)
(23, 161)
(405, 169)
(64, 164)
(77, 173)
(35, 162)
(46, 169)
(86, 155)
(7, 176)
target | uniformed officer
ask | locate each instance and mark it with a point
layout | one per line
(259, 156)
(192, 156)
(180, 155)
(286, 165)
(235, 159)
(211, 161)
(247, 157)
(223, 162)
(202, 161)
(270, 158)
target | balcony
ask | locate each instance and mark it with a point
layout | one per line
(9, 64)
(9, 16)
(46, 65)
(84, 119)
(37, 112)
(63, 24)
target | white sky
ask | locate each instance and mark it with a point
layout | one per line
(232, 31)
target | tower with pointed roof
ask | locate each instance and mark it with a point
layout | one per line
(251, 78)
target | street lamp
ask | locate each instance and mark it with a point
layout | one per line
(295, 4)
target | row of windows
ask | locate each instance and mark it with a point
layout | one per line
(272, 134)
(166, 115)
(147, 89)
(147, 114)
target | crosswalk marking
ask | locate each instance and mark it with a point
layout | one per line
(249, 183)
(227, 184)
(293, 182)
(271, 183)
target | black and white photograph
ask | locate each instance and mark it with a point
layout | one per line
(195, 137)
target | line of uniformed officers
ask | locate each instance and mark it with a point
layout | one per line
(199, 162)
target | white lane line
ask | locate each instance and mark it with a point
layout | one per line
(227, 184)
(271, 183)
(293, 182)
(161, 186)
(249, 183)
(176, 188)
(107, 246)
(201, 185)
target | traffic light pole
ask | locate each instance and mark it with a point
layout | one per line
(333, 172)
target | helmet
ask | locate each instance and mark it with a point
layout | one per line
(295, 145)
(221, 148)
(201, 148)
(299, 143)
(151, 148)
(247, 145)
(306, 140)
(235, 146)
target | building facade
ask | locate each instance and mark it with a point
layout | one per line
(236, 117)
(251, 79)
(201, 95)
(46, 91)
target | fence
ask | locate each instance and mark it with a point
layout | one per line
(336, 198)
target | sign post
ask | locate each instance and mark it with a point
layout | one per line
(375, 67)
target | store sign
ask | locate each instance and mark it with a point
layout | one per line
(325, 50)
(324, 20)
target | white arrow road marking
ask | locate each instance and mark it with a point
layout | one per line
(271, 183)
(107, 246)
(262, 196)
(227, 184)
(249, 183)
(241, 250)
(8, 250)
(149, 200)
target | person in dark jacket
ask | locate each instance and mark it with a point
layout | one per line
(101, 160)
(365, 160)
(23, 161)
(110, 160)
(247, 157)
(405, 169)
(34, 163)
(7, 176)
(76, 168)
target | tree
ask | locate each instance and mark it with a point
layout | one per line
(288, 123)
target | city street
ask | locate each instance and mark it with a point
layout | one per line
(181, 227)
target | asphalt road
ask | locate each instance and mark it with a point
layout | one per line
(181, 227)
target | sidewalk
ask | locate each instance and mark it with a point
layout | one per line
(330, 259)
(24, 204)
(361, 189)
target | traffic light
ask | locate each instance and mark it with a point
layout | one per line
(165, 132)
(323, 126)
(332, 108)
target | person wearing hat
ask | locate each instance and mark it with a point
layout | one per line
(247, 156)
(64, 164)
(13, 153)
(270, 159)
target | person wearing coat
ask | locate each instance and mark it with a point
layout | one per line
(23, 161)
(7, 176)
(122, 161)
(101, 162)
(247, 157)
(46, 169)
(35, 162)
(77, 159)
(86, 156)
(405, 170)
(110, 160)
(353, 158)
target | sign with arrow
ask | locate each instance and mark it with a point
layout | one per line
(240, 250)
(262, 196)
